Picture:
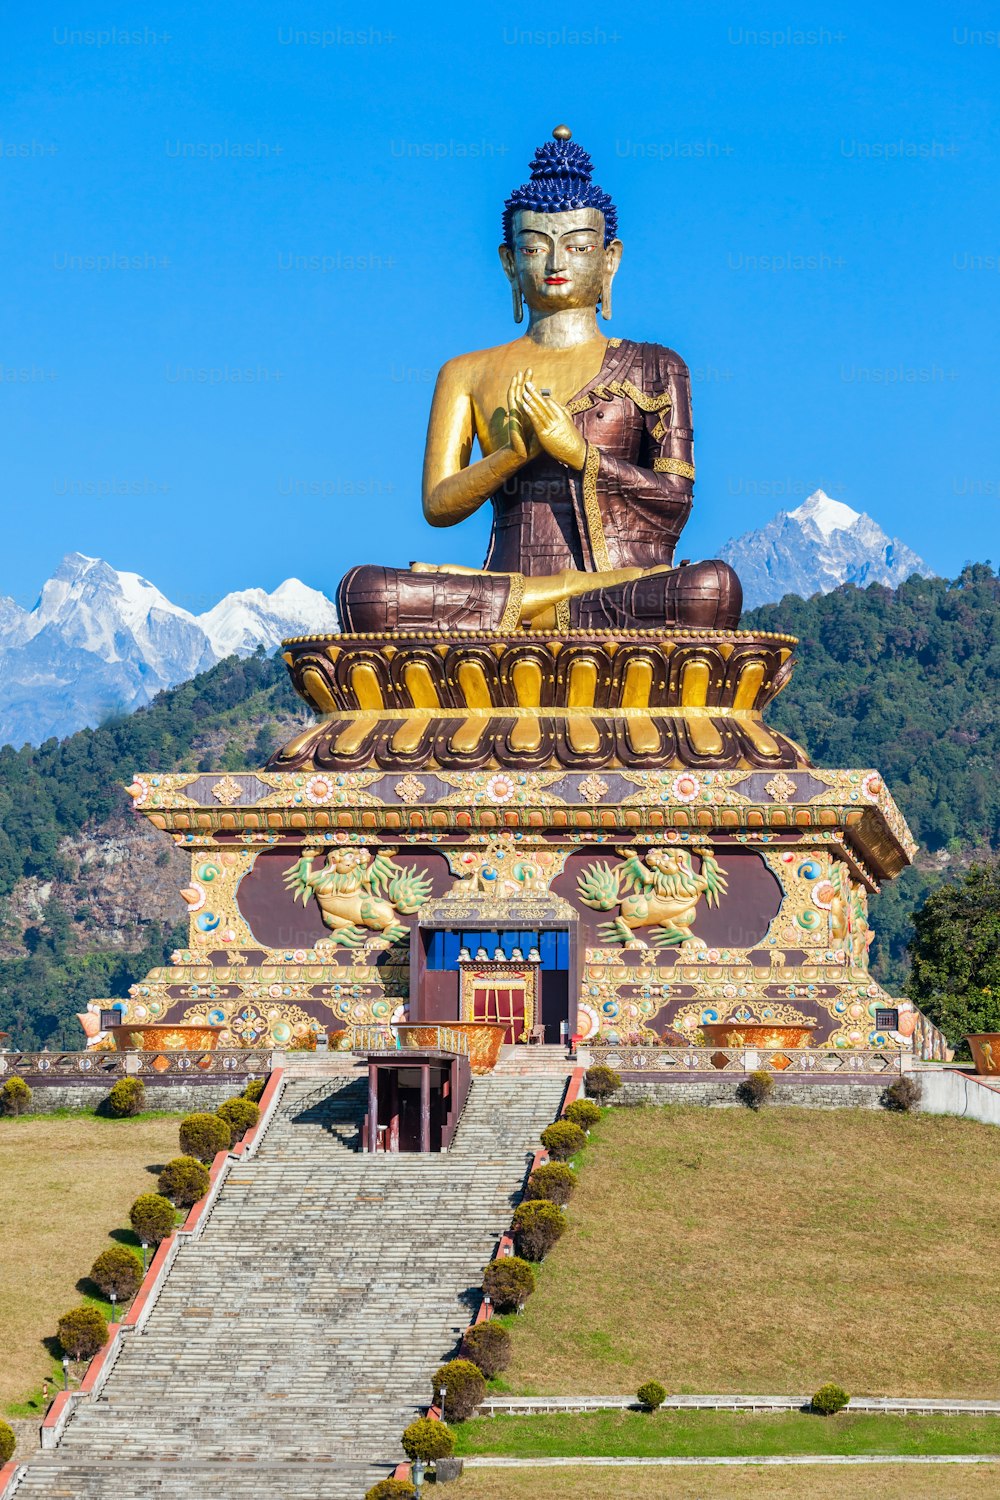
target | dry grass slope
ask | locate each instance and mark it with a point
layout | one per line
(891, 1482)
(66, 1184)
(765, 1253)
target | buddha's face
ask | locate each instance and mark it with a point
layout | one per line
(559, 260)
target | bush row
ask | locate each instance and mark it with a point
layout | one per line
(127, 1097)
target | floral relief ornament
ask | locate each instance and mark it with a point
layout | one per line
(409, 789)
(593, 788)
(318, 790)
(227, 791)
(780, 788)
(686, 787)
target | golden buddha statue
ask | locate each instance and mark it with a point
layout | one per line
(585, 442)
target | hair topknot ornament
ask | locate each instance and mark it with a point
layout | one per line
(560, 180)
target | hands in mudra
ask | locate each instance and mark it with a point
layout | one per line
(536, 422)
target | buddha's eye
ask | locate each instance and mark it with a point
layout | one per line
(531, 249)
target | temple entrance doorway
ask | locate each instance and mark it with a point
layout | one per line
(517, 977)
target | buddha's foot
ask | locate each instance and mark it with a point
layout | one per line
(706, 595)
(376, 599)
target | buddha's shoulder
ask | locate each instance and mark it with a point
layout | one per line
(656, 358)
(466, 368)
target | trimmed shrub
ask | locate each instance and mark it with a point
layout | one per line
(601, 1081)
(203, 1135)
(508, 1281)
(583, 1112)
(554, 1181)
(117, 1270)
(15, 1097)
(82, 1331)
(756, 1089)
(538, 1224)
(7, 1442)
(428, 1440)
(240, 1115)
(488, 1345)
(563, 1139)
(651, 1394)
(829, 1399)
(254, 1089)
(183, 1180)
(304, 1043)
(466, 1389)
(152, 1217)
(126, 1098)
(902, 1095)
(392, 1489)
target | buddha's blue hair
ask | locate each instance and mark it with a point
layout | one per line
(560, 180)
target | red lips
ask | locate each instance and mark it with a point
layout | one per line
(556, 280)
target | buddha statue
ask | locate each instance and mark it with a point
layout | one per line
(585, 444)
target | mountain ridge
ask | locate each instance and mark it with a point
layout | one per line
(820, 545)
(102, 641)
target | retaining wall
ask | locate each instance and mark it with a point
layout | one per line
(189, 1095)
(721, 1092)
(947, 1091)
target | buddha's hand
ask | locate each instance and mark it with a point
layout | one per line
(555, 428)
(521, 437)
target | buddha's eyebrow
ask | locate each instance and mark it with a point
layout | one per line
(544, 234)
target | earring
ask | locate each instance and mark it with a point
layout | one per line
(606, 297)
(518, 301)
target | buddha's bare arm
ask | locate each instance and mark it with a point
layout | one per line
(453, 487)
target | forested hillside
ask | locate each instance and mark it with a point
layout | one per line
(905, 681)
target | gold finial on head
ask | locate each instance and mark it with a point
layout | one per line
(562, 133)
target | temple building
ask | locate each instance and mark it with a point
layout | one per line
(539, 796)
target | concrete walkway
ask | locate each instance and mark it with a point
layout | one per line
(523, 1406)
(731, 1463)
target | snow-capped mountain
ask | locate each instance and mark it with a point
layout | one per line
(100, 641)
(815, 548)
(250, 617)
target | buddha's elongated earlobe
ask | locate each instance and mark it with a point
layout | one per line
(518, 301)
(606, 295)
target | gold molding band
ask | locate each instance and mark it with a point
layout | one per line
(592, 510)
(603, 392)
(511, 617)
(515, 711)
(673, 466)
(666, 634)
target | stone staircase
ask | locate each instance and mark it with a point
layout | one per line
(293, 1342)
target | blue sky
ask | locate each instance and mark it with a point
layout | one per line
(312, 194)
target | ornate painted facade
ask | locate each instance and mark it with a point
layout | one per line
(315, 899)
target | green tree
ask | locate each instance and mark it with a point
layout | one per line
(955, 952)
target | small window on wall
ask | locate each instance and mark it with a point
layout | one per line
(887, 1020)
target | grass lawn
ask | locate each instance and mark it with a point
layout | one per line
(723, 1250)
(719, 1434)
(67, 1183)
(891, 1482)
